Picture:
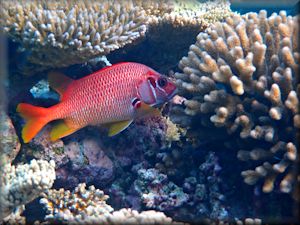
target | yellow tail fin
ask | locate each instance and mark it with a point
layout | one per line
(36, 118)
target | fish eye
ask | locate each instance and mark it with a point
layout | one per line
(162, 82)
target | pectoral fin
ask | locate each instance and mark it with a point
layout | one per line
(146, 110)
(60, 130)
(117, 127)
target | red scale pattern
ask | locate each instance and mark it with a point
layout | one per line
(102, 97)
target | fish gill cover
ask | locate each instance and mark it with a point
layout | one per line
(238, 123)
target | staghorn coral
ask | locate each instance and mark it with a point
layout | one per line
(88, 206)
(59, 34)
(242, 75)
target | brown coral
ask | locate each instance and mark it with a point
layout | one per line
(188, 13)
(78, 204)
(242, 75)
(23, 183)
(19, 184)
(88, 206)
(63, 33)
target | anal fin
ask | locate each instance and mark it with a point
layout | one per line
(60, 130)
(117, 127)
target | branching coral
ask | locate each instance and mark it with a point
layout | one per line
(172, 27)
(58, 34)
(77, 205)
(88, 206)
(242, 75)
(22, 183)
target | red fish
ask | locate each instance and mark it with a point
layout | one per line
(113, 96)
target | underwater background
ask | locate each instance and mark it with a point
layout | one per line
(227, 155)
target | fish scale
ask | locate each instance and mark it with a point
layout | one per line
(108, 96)
(101, 108)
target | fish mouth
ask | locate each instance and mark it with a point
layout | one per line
(169, 97)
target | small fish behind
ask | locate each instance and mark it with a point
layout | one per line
(113, 97)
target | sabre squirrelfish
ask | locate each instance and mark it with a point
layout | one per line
(113, 97)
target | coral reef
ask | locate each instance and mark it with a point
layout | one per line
(239, 95)
(173, 132)
(188, 13)
(9, 144)
(22, 183)
(246, 221)
(15, 217)
(171, 30)
(88, 206)
(62, 33)
(249, 221)
(157, 192)
(77, 159)
(242, 76)
(42, 90)
(76, 205)
(59, 34)
(205, 198)
(91, 157)
(192, 195)
(144, 139)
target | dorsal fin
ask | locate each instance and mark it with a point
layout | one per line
(59, 82)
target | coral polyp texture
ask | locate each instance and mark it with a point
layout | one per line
(181, 13)
(58, 34)
(157, 192)
(242, 75)
(72, 30)
(9, 144)
(23, 183)
(88, 206)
